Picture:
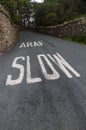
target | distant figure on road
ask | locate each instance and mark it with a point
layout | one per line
(26, 22)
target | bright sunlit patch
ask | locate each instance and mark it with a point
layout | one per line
(39, 1)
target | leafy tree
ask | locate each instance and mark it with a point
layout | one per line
(16, 8)
(45, 14)
(53, 12)
(50, 12)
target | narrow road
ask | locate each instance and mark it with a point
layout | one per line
(43, 84)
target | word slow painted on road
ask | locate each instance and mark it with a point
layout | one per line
(31, 44)
(57, 59)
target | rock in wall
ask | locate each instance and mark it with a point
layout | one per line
(72, 28)
(7, 30)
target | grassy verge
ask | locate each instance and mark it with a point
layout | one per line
(81, 39)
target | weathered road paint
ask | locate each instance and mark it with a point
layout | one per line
(54, 75)
(21, 74)
(63, 65)
(31, 44)
(29, 79)
(57, 59)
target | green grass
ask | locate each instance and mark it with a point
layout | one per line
(81, 39)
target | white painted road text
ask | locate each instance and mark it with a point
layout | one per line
(57, 59)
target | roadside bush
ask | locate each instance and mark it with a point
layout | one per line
(79, 38)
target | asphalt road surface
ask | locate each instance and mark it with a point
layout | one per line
(43, 84)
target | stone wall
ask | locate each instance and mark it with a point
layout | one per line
(67, 29)
(7, 30)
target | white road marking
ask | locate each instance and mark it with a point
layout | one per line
(22, 45)
(54, 75)
(63, 65)
(29, 79)
(10, 81)
(36, 44)
(40, 43)
(31, 44)
(56, 58)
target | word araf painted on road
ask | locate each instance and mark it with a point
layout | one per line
(57, 59)
(31, 44)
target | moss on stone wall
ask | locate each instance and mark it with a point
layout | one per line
(68, 29)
